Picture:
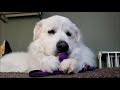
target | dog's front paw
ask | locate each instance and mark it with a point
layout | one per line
(68, 66)
(49, 64)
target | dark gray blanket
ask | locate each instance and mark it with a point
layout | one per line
(98, 73)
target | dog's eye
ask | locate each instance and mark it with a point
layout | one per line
(51, 32)
(68, 33)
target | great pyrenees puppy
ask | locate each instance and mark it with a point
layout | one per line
(52, 36)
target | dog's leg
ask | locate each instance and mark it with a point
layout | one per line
(69, 65)
(14, 62)
(48, 63)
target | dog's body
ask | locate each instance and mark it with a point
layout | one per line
(52, 36)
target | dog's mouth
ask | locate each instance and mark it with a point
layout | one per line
(57, 53)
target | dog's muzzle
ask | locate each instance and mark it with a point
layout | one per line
(62, 46)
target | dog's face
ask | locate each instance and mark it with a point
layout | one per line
(56, 34)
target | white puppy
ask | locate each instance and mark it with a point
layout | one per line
(53, 35)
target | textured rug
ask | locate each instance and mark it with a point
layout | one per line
(98, 73)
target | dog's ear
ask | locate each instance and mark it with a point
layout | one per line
(78, 34)
(37, 30)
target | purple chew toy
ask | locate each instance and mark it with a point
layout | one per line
(39, 73)
(88, 68)
(63, 56)
(92, 67)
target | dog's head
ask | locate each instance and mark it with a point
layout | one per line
(56, 34)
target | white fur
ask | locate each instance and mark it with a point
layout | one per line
(40, 55)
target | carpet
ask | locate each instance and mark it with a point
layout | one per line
(98, 73)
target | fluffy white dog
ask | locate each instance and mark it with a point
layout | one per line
(52, 36)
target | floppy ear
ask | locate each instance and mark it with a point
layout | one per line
(37, 30)
(78, 34)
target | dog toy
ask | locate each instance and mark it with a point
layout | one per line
(87, 68)
(39, 73)
(62, 56)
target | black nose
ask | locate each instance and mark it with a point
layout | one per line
(62, 46)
